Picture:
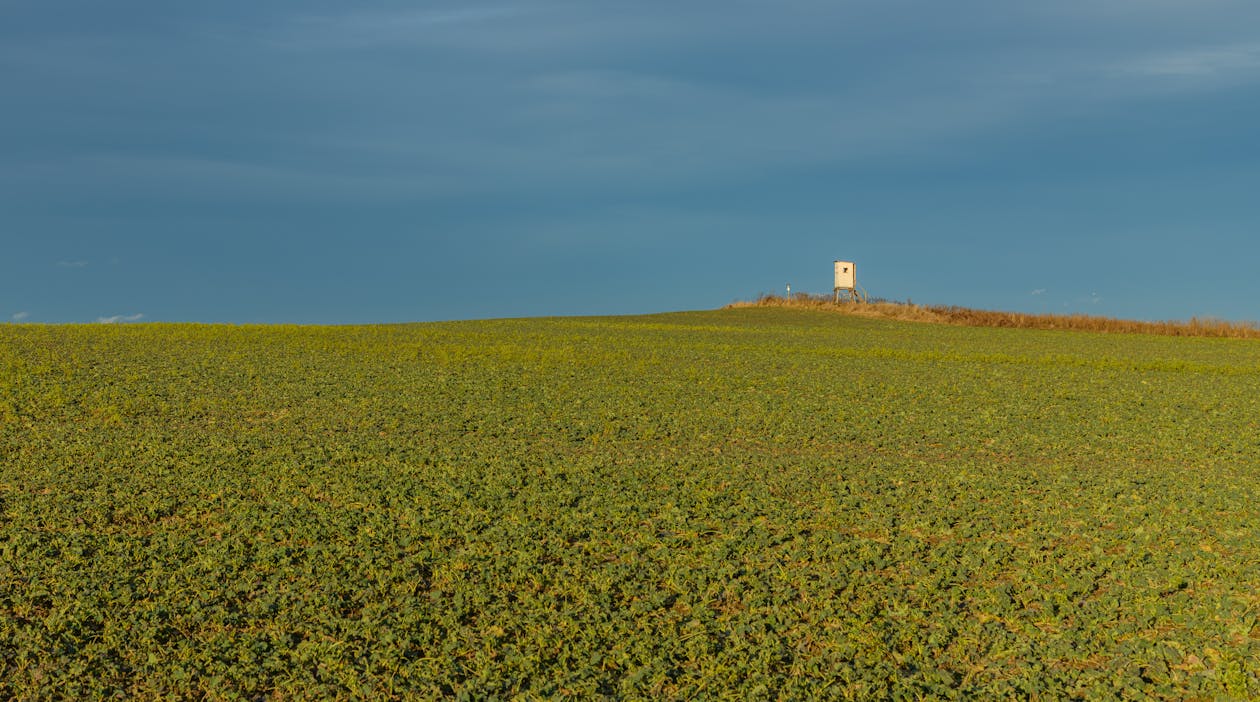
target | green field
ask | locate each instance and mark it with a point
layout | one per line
(749, 503)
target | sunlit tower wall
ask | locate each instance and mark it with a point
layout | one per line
(846, 282)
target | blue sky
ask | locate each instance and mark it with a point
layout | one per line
(320, 162)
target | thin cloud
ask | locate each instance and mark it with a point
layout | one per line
(1199, 62)
(564, 115)
(21, 316)
(1038, 291)
(370, 29)
(119, 318)
(226, 180)
(72, 264)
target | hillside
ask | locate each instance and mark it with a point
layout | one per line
(757, 503)
(970, 317)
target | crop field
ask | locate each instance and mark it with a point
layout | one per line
(749, 504)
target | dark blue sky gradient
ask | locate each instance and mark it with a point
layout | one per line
(384, 162)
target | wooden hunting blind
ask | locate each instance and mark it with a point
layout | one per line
(846, 282)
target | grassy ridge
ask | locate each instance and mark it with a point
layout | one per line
(966, 316)
(753, 502)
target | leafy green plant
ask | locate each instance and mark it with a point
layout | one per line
(759, 502)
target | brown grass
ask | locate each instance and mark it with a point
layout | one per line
(963, 316)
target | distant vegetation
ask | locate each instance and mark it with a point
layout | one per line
(749, 504)
(942, 314)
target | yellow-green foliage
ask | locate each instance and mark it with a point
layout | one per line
(752, 503)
